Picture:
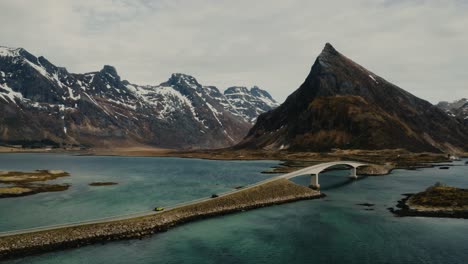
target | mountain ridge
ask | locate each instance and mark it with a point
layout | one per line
(457, 109)
(98, 108)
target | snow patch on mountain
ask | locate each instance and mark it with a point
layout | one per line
(250, 103)
(8, 93)
(177, 112)
(9, 52)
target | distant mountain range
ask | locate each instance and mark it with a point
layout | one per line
(457, 109)
(42, 104)
(343, 105)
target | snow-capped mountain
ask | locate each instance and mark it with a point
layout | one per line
(42, 103)
(458, 109)
(250, 103)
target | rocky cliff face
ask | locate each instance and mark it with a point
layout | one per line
(457, 109)
(44, 104)
(343, 105)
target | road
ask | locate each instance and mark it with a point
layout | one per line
(305, 171)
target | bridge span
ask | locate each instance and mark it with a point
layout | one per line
(315, 170)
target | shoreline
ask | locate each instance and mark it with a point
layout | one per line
(405, 210)
(385, 161)
(275, 192)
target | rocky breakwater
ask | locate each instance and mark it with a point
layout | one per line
(269, 193)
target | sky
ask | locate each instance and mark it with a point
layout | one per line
(421, 46)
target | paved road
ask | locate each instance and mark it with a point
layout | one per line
(309, 170)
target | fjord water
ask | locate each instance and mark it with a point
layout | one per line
(331, 230)
(143, 184)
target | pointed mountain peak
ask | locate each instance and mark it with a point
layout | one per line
(329, 49)
(110, 70)
(328, 55)
(183, 79)
(256, 91)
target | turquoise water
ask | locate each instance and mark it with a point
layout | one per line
(143, 184)
(331, 230)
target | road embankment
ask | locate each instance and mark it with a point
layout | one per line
(269, 193)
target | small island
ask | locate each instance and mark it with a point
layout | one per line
(102, 183)
(16, 183)
(35, 176)
(436, 201)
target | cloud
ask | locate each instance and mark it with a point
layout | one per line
(418, 45)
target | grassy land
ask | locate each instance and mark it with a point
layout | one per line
(35, 176)
(441, 197)
(25, 183)
(29, 189)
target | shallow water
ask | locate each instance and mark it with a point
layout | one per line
(331, 230)
(143, 184)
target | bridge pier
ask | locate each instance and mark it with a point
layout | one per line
(353, 173)
(314, 184)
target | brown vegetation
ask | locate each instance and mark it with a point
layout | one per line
(440, 196)
(24, 183)
(38, 175)
(29, 189)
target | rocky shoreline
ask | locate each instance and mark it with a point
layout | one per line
(405, 209)
(274, 192)
(102, 183)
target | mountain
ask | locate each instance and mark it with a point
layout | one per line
(343, 105)
(457, 109)
(42, 104)
(250, 103)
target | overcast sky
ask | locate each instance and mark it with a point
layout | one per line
(421, 46)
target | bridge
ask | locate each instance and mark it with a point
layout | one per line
(315, 170)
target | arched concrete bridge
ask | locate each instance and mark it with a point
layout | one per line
(315, 170)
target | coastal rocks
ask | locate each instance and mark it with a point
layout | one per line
(273, 192)
(375, 170)
(436, 201)
(366, 204)
(102, 183)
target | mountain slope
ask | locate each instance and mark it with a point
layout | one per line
(250, 103)
(458, 109)
(44, 104)
(343, 105)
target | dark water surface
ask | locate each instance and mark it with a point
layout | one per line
(331, 230)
